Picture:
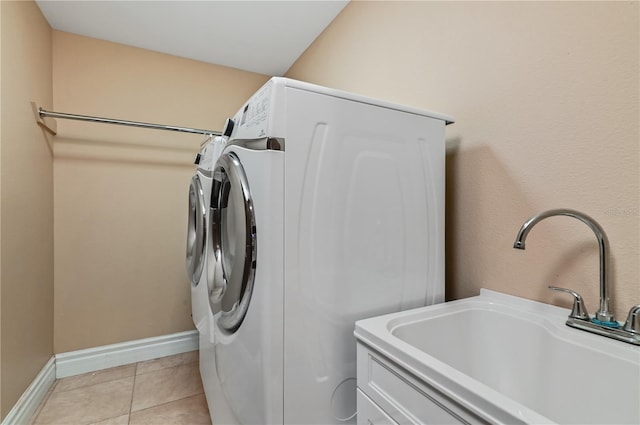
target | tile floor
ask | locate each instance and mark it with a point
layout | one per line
(165, 391)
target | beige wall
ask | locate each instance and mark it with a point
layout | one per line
(545, 95)
(121, 193)
(26, 277)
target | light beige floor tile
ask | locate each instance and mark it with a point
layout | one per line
(165, 362)
(120, 420)
(166, 385)
(93, 378)
(187, 411)
(88, 404)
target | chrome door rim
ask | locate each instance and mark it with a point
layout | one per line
(229, 178)
(196, 231)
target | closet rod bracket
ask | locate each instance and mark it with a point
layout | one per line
(48, 124)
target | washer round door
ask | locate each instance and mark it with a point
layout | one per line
(196, 231)
(233, 236)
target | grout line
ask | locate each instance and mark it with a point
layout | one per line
(164, 368)
(133, 389)
(168, 402)
(97, 383)
(199, 393)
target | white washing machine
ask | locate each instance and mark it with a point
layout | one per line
(198, 244)
(326, 208)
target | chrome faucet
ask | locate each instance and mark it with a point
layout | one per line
(603, 314)
(604, 322)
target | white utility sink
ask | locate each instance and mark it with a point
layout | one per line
(511, 360)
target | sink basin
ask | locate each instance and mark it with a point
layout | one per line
(512, 360)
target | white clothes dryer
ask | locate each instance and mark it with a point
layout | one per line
(326, 208)
(198, 230)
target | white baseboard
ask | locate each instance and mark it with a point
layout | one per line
(106, 356)
(27, 404)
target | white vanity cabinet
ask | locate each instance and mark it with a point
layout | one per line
(389, 394)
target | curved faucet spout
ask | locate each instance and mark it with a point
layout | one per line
(603, 314)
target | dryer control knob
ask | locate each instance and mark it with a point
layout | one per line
(228, 127)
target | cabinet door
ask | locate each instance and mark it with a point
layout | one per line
(370, 413)
(403, 397)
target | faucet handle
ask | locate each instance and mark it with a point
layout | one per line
(579, 310)
(633, 320)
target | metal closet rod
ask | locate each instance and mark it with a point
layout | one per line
(43, 113)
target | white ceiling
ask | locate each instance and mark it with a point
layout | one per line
(260, 36)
